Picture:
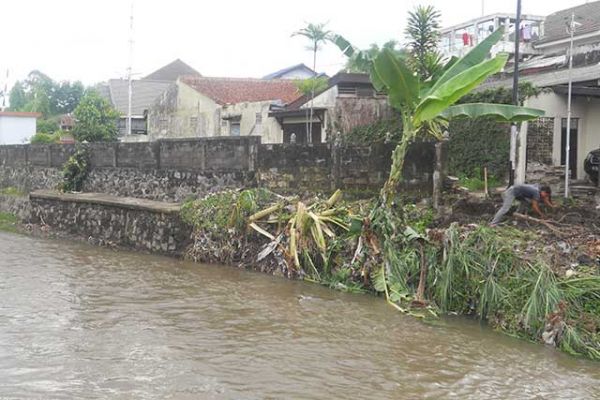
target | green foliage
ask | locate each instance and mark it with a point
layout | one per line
(361, 61)
(475, 181)
(312, 85)
(96, 120)
(45, 138)
(8, 222)
(75, 171)
(423, 33)
(315, 33)
(422, 103)
(376, 132)
(219, 212)
(12, 191)
(483, 142)
(47, 125)
(39, 93)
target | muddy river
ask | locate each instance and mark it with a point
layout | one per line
(82, 322)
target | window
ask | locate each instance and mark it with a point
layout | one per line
(258, 118)
(234, 128)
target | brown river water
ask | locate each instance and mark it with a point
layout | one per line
(81, 322)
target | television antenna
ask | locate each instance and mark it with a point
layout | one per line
(129, 69)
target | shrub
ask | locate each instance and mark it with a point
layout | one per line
(75, 171)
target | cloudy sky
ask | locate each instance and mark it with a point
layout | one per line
(88, 40)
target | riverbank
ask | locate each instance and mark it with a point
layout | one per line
(522, 278)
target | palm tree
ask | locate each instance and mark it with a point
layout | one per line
(423, 33)
(317, 34)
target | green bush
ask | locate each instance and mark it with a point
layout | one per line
(75, 171)
(483, 142)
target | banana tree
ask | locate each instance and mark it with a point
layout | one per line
(427, 106)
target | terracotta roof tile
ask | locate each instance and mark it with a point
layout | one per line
(238, 90)
(20, 114)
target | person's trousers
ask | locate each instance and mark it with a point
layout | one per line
(508, 197)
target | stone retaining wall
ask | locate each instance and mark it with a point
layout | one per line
(128, 222)
(172, 170)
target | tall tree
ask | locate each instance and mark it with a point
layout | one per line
(17, 97)
(318, 35)
(40, 93)
(423, 33)
(95, 119)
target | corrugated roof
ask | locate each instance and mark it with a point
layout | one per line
(238, 90)
(549, 79)
(143, 94)
(172, 71)
(555, 25)
(282, 72)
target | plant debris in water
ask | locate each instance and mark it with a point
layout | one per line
(524, 279)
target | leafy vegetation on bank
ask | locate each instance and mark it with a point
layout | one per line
(362, 247)
(8, 222)
(75, 171)
(12, 191)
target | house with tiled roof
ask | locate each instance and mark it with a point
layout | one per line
(197, 106)
(349, 101)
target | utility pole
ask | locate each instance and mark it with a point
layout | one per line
(569, 94)
(129, 68)
(515, 97)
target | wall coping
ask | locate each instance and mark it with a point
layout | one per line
(107, 200)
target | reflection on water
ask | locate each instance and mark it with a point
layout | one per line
(85, 322)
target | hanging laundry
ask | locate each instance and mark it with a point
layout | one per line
(465, 39)
(526, 30)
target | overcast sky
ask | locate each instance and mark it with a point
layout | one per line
(88, 40)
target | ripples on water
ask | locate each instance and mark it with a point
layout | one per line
(84, 322)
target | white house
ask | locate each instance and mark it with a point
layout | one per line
(17, 127)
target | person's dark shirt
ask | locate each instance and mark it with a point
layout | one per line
(522, 192)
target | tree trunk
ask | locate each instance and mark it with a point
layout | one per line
(398, 156)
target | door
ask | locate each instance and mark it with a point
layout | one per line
(572, 145)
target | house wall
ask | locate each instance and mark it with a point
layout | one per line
(268, 129)
(171, 115)
(586, 109)
(16, 130)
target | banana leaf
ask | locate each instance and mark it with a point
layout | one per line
(478, 54)
(456, 87)
(402, 84)
(500, 112)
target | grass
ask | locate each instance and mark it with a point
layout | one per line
(478, 184)
(8, 222)
(12, 191)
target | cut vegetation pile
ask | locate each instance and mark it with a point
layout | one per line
(527, 280)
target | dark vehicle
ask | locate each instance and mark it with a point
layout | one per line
(592, 164)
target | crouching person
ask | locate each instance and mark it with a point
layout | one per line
(525, 194)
